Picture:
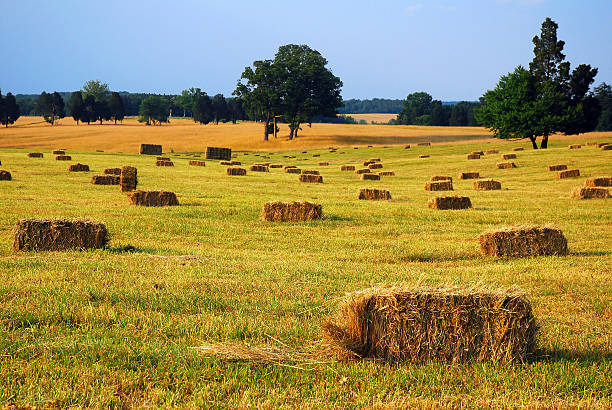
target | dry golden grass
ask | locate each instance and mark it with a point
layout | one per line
(379, 117)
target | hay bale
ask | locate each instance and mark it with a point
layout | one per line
(441, 178)
(375, 165)
(406, 146)
(607, 147)
(150, 149)
(128, 179)
(423, 324)
(473, 156)
(259, 168)
(105, 179)
(469, 175)
(590, 193)
(316, 155)
(310, 172)
(374, 159)
(370, 177)
(162, 159)
(559, 167)
(5, 175)
(293, 170)
(277, 211)
(112, 171)
(505, 165)
(423, 156)
(487, 185)
(518, 149)
(386, 174)
(58, 152)
(152, 198)
(235, 171)
(235, 163)
(363, 171)
(374, 194)
(439, 186)
(59, 235)
(568, 173)
(477, 153)
(311, 178)
(450, 202)
(164, 163)
(347, 168)
(591, 143)
(219, 153)
(63, 157)
(35, 155)
(78, 168)
(367, 163)
(523, 241)
(508, 156)
(323, 164)
(598, 181)
(276, 165)
(424, 144)
(225, 162)
(197, 163)
(491, 151)
(601, 144)
(575, 146)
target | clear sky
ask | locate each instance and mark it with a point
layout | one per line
(452, 49)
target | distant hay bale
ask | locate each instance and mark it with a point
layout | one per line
(441, 178)
(473, 156)
(235, 171)
(607, 147)
(152, 198)
(591, 193)
(78, 168)
(363, 171)
(575, 146)
(370, 177)
(568, 173)
(129, 178)
(219, 153)
(291, 211)
(505, 165)
(150, 149)
(112, 171)
(559, 167)
(225, 162)
(523, 241)
(424, 144)
(508, 156)
(323, 164)
(59, 235)
(374, 160)
(316, 155)
(311, 178)
(487, 185)
(164, 163)
(58, 152)
(375, 165)
(35, 155)
(598, 182)
(259, 168)
(5, 175)
(386, 174)
(197, 163)
(402, 324)
(293, 170)
(591, 143)
(63, 157)
(439, 186)
(491, 151)
(469, 175)
(235, 163)
(310, 172)
(477, 152)
(367, 163)
(450, 202)
(518, 149)
(276, 165)
(105, 179)
(347, 168)
(602, 144)
(162, 159)
(374, 194)
(406, 146)
(423, 156)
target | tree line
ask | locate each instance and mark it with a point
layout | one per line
(9, 109)
(421, 109)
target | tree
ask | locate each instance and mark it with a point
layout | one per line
(154, 109)
(202, 109)
(440, 114)
(97, 89)
(101, 111)
(51, 106)
(9, 109)
(235, 110)
(415, 105)
(603, 93)
(186, 100)
(219, 108)
(76, 106)
(88, 113)
(116, 108)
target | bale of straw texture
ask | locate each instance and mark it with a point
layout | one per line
(508, 156)
(375, 165)
(575, 146)
(374, 160)
(424, 143)
(568, 173)
(316, 155)
(591, 143)
(367, 163)
(259, 168)
(469, 175)
(5, 175)
(450, 202)
(112, 171)
(473, 156)
(386, 174)
(363, 171)
(150, 149)
(406, 146)
(225, 162)
(601, 144)
(105, 179)
(559, 167)
(421, 324)
(78, 168)
(423, 156)
(311, 178)
(197, 163)
(518, 149)
(162, 159)
(235, 171)
(441, 178)
(323, 164)
(370, 177)
(35, 155)
(607, 147)
(505, 165)
(277, 211)
(477, 152)
(59, 235)
(347, 168)
(439, 186)
(58, 152)
(374, 194)
(598, 181)
(523, 241)
(293, 170)
(289, 166)
(310, 172)
(492, 151)
(487, 185)
(219, 153)
(164, 163)
(152, 198)
(63, 157)
(129, 178)
(590, 193)
(276, 165)
(235, 163)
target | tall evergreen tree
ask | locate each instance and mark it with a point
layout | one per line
(117, 110)
(76, 106)
(11, 110)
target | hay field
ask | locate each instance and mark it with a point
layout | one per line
(380, 117)
(113, 328)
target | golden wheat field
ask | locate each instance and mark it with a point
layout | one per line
(374, 117)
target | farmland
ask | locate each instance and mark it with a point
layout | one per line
(115, 328)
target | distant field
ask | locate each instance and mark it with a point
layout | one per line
(380, 118)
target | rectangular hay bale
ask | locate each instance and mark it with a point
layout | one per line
(5, 175)
(374, 194)
(164, 163)
(523, 241)
(63, 157)
(78, 168)
(59, 235)
(598, 182)
(347, 168)
(469, 175)
(293, 170)
(441, 178)
(559, 167)
(445, 185)
(152, 198)
(35, 155)
(236, 171)
(197, 163)
(386, 174)
(129, 178)
(491, 151)
(58, 152)
(506, 165)
(487, 185)
(311, 178)
(219, 153)
(450, 202)
(568, 173)
(259, 168)
(297, 211)
(370, 177)
(588, 192)
(473, 156)
(105, 179)
(310, 172)
(150, 149)
(575, 146)
(375, 165)
(508, 156)
(112, 171)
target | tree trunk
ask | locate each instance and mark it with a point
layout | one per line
(534, 144)
(266, 122)
(297, 128)
(544, 143)
(275, 126)
(291, 131)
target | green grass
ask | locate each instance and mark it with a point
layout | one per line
(106, 328)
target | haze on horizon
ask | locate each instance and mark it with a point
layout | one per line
(387, 50)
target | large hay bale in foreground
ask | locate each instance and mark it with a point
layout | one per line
(219, 153)
(370, 177)
(277, 211)
(523, 241)
(5, 175)
(575, 146)
(78, 168)
(473, 156)
(487, 185)
(112, 171)
(422, 324)
(164, 163)
(469, 175)
(506, 165)
(259, 168)
(129, 178)
(386, 174)
(445, 185)
(441, 178)
(311, 178)
(153, 198)
(375, 165)
(235, 171)
(35, 155)
(568, 173)
(197, 163)
(598, 181)
(106, 179)
(450, 202)
(59, 235)
(347, 168)
(591, 193)
(559, 167)
(310, 172)
(374, 194)
(58, 152)
(508, 156)
(63, 157)
(150, 149)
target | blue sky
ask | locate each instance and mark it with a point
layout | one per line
(454, 50)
